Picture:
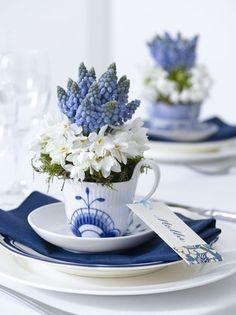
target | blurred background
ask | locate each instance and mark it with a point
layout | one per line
(65, 32)
(101, 31)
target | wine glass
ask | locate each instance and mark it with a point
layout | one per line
(28, 76)
(7, 115)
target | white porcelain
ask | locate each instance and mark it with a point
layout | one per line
(28, 255)
(191, 153)
(198, 132)
(173, 152)
(94, 210)
(56, 231)
(173, 278)
(36, 272)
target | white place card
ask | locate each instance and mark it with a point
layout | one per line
(178, 235)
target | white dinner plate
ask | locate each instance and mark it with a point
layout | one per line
(56, 231)
(200, 131)
(170, 152)
(25, 270)
(174, 278)
(29, 256)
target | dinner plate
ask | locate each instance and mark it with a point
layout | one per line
(188, 152)
(25, 270)
(174, 278)
(198, 132)
(27, 255)
(56, 231)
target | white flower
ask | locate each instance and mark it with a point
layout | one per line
(175, 97)
(108, 164)
(103, 152)
(100, 143)
(184, 96)
(120, 146)
(58, 149)
(165, 86)
(157, 83)
(81, 163)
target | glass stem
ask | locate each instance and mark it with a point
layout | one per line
(16, 158)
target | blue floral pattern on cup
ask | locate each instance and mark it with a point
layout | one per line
(89, 220)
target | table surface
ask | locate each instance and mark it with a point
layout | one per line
(178, 184)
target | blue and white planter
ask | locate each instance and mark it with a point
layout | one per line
(95, 210)
(173, 116)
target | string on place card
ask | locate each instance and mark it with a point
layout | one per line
(178, 235)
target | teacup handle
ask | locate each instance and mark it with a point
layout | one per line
(156, 171)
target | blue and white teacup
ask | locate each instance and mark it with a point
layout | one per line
(173, 116)
(95, 210)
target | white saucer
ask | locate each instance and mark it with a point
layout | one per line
(55, 230)
(200, 131)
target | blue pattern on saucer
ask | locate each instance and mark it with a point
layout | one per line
(93, 220)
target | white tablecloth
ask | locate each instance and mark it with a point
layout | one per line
(178, 184)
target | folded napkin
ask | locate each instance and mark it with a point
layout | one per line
(14, 224)
(224, 132)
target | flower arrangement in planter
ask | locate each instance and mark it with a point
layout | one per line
(176, 85)
(96, 151)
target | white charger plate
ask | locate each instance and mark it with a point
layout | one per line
(56, 231)
(173, 278)
(180, 276)
(173, 152)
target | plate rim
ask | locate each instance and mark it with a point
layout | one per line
(167, 155)
(214, 145)
(213, 128)
(124, 267)
(104, 267)
(148, 289)
(99, 267)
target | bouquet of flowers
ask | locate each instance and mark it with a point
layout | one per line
(93, 141)
(176, 78)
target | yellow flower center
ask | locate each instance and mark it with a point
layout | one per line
(62, 150)
(83, 140)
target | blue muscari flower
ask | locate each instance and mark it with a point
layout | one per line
(92, 104)
(68, 101)
(86, 79)
(107, 84)
(173, 53)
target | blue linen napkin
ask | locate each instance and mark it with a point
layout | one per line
(224, 132)
(14, 224)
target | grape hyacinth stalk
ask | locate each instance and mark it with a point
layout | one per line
(173, 53)
(92, 103)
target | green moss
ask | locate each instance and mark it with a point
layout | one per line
(45, 165)
(181, 77)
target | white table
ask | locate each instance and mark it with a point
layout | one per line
(178, 184)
